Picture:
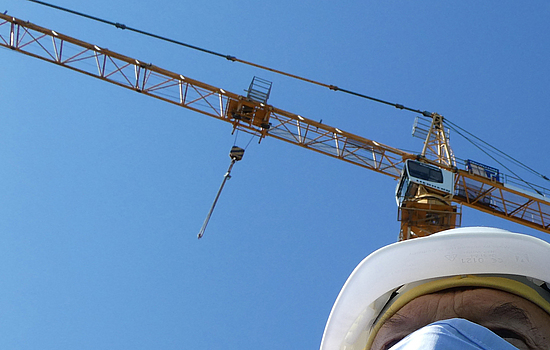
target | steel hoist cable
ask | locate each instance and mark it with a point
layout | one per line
(330, 86)
(231, 58)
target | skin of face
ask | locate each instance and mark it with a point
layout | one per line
(515, 319)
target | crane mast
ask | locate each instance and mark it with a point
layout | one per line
(425, 192)
(426, 206)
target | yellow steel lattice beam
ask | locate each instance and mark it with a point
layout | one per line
(262, 120)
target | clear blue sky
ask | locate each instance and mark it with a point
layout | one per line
(104, 190)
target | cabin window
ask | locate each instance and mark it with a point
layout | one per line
(425, 172)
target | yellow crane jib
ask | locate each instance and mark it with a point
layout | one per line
(425, 207)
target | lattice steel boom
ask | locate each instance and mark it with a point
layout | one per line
(260, 119)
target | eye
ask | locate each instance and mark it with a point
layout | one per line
(509, 335)
(391, 343)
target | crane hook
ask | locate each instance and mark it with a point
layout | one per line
(235, 154)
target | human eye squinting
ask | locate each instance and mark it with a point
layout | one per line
(390, 343)
(511, 336)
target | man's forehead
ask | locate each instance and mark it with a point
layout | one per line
(477, 304)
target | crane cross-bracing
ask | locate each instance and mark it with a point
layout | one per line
(425, 207)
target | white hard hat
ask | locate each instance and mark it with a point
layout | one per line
(456, 252)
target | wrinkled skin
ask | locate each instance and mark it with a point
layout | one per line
(517, 320)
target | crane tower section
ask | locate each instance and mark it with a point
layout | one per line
(425, 191)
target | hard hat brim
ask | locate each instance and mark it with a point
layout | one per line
(463, 251)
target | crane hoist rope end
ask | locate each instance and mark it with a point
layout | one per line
(236, 154)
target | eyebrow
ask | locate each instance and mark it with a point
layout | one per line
(510, 312)
(397, 320)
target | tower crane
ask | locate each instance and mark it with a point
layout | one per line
(431, 187)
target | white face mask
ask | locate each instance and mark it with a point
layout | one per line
(450, 334)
